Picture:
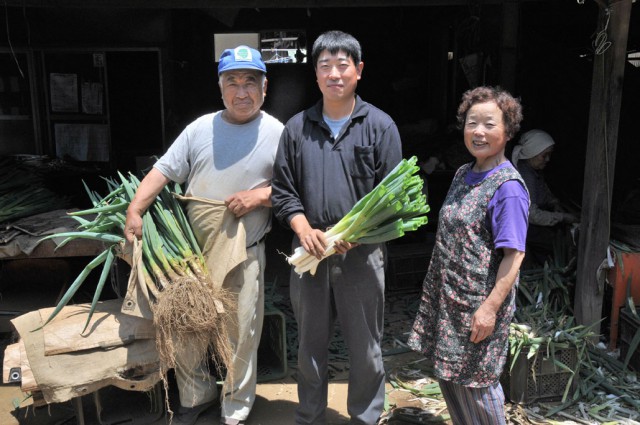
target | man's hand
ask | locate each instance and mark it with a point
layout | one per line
(483, 323)
(241, 203)
(314, 242)
(148, 189)
(342, 247)
(133, 226)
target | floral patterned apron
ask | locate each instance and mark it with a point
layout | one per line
(460, 277)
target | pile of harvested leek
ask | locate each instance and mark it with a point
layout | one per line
(23, 194)
(562, 334)
(395, 206)
(188, 310)
(601, 388)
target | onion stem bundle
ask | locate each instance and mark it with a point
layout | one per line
(395, 206)
(188, 309)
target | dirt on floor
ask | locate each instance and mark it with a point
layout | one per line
(275, 404)
(276, 393)
(412, 395)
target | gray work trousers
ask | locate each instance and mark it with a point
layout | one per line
(195, 384)
(350, 289)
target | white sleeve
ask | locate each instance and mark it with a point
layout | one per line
(174, 164)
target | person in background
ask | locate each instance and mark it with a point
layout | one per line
(329, 157)
(546, 215)
(468, 295)
(226, 160)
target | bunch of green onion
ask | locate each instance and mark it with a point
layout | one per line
(395, 206)
(169, 246)
(188, 309)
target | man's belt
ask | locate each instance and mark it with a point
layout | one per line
(258, 242)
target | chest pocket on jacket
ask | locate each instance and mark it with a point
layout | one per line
(363, 165)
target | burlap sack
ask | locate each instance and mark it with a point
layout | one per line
(61, 377)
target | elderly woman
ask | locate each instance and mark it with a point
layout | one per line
(468, 296)
(530, 156)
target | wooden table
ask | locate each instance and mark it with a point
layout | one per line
(29, 281)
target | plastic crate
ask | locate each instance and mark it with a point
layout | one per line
(624, 277)
(407, 266)
(272, 351)
(629, 325)
(538, 378)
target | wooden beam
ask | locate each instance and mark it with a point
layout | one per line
(223, 4)
(604, 116)
(508, 59)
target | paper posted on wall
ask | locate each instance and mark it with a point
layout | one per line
(82, 142)
(64, 92)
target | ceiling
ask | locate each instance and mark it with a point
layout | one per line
(236, 4)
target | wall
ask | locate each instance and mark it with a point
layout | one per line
(406, 72)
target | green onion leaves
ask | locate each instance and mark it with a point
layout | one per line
(395, 206)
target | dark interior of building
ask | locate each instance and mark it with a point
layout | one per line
(157, 70)
(93, 88)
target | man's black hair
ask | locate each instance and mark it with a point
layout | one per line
(333, 42)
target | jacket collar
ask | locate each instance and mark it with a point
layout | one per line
(359, 110)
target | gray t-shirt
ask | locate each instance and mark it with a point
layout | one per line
(217, 159)
(335, 125)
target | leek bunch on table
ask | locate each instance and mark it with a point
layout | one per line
(23, 193)
(395, 206)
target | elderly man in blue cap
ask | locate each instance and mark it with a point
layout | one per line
(225, 158)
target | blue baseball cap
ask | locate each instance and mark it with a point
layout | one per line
(242, 57)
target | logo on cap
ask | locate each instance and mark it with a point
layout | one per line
(242, 54)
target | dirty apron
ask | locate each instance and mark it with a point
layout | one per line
(240, 270)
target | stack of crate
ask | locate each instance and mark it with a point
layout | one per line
(408, 264)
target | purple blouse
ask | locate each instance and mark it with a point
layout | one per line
(508, 210)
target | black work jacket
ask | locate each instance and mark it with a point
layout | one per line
(321, 176)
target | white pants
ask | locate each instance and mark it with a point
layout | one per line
(195, 385)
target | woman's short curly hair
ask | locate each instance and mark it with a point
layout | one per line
(509, 105)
